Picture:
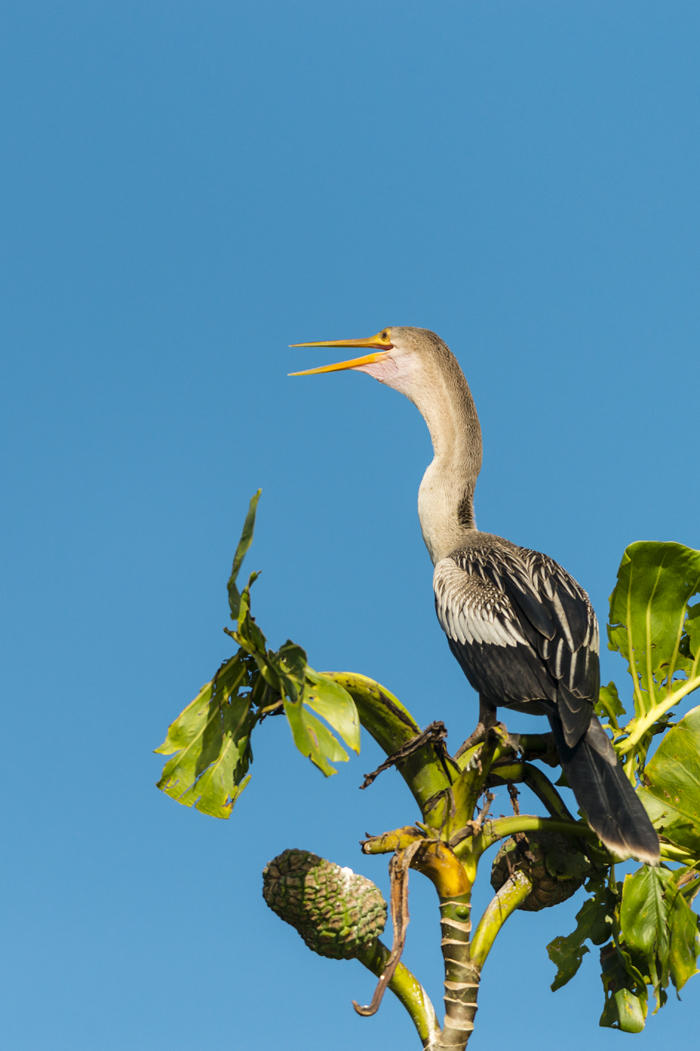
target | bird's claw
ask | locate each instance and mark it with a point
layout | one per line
(479, 735)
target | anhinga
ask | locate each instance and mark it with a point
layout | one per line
(522, 629)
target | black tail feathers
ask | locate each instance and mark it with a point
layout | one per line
(611, 805)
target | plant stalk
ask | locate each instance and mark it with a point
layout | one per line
(406, 987)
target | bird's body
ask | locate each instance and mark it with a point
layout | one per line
(522, 629)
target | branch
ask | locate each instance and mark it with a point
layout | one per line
(504, 903)
(393, 727)
(537, 781)
(502, 827)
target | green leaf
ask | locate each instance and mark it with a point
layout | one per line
(334, 704)
(307, 689)
(625, 1010)
(234, 596)
(648, 610)
(293, 660)
(625, 991)
(685, 940)
(312, 738)
(690, 644)
(566, 954)
(609, 705)
(672, 791)
(594, 923)
(290, 661)
(210, 744)
(659, 928)
(644, 922)
(249, 635)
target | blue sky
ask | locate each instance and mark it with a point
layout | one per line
(187, 189)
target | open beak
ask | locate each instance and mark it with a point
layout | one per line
(380, 344)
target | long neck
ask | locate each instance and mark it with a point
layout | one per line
(446, 494)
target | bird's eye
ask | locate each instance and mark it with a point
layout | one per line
(385, 334)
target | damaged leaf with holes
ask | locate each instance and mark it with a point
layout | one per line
(210, 744)
(210, 741)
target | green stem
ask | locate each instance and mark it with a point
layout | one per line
(647, 721)
(391, 842)
(406, 987)
(469, 785)
(537, 781)
(672, 853)
(502, 827)
(476, 778)
(393, 727)
(513, 892)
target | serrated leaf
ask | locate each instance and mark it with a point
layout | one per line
(234, 596)
(672, 790)
(334, 704)
(648, 610)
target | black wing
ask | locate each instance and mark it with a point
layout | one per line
(522, 629)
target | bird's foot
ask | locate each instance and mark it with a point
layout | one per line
(479, 735)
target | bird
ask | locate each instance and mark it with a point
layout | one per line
(522, 629)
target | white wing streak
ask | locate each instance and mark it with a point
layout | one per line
(470, 609)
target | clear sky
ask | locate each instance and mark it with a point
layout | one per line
(188, 188)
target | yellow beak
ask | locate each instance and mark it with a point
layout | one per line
(380, 342)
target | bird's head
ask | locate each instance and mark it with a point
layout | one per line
(417, 363)
(401, 357)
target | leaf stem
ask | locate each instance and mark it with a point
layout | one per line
(537, 781)
(393, 727)
(506, 900)
(645, 723)
(670, 852)
(502, 827)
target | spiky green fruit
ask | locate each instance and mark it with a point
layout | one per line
(336, 911)
(551, 862)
